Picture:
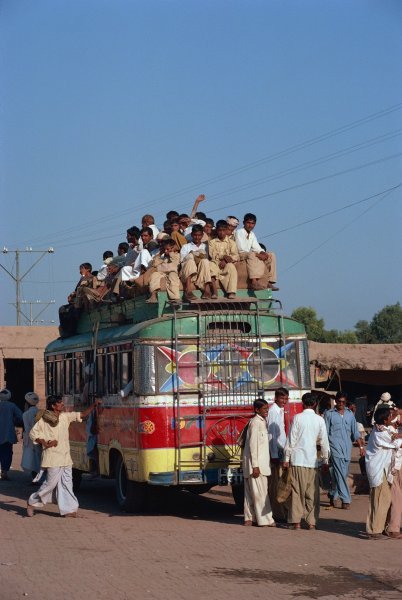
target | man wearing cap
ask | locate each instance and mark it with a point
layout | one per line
(233, 223)
(10, 416)
(31, 454)
(255, 257)
(385, 401)
(51, 432)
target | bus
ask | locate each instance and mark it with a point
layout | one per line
(177, 384)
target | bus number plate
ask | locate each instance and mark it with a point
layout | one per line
(230, 476)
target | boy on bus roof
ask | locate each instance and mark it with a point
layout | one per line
(223, 254)
(166, 263)
(255, 257)
(195, 267)
(86, 280)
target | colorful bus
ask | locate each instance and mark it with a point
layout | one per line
(177, 385)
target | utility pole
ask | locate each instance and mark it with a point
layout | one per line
(31, 318)
(18, 278)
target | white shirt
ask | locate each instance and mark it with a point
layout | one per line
(191, 247)
(276, 430)
(307, 430)
(379, 455)
(246, 242)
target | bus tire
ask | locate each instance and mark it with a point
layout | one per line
(131, 496)
(238, 496)
(77, 478)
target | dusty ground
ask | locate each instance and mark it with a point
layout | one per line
(192, 548)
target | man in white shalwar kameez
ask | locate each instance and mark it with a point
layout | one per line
(256, 469)
(381, 447)
(277, 441)
(51, 432)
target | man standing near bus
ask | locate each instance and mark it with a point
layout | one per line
(306, 433)
(51, 432)
(277, 441)
(256, 469)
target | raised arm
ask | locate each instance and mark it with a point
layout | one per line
(199, 199)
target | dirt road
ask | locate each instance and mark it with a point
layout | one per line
(193, 547)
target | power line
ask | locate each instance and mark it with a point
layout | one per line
(241, 169)
(332, 212)
(331, 237)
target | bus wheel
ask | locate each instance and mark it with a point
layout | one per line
(238, 496)
(77, 478)
(130, 495)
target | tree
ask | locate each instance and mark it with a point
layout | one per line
(314, 326)
(385, 327)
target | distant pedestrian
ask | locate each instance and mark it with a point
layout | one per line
(382, 446)
(256, 469)
(342, 431)
(277, 441)
(306, 433)
(10, 416)
(31, 453)
(51, 432)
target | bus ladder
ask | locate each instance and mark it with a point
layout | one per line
(230, 324)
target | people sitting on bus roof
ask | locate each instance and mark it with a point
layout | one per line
(195, 267)
(165, 265)
(107, 258)
(149, 249)
(149, 221)
(233, 223)
(122, 249)
(223, 255)
(86, 280)
(251, 252)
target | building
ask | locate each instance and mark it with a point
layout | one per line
(22, 367)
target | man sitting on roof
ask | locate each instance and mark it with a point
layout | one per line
(107, 258)
(108, 290)
(166, 263)
(233, 223)
(195, 266)
(251, 252)
(122, 249)
(223, 254)
(149, 248)
(149, 221)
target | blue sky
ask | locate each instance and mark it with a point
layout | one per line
(111, 109)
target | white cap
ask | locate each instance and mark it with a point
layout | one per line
(32, 398)
(385, 397)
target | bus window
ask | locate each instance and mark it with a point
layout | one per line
(113, 375)
(100, 375)
(49, 377)
(126, 369)
(78, 373)
(58, 376)
(68, 374)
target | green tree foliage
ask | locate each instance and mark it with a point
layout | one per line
(385, 327)
(315, 328)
